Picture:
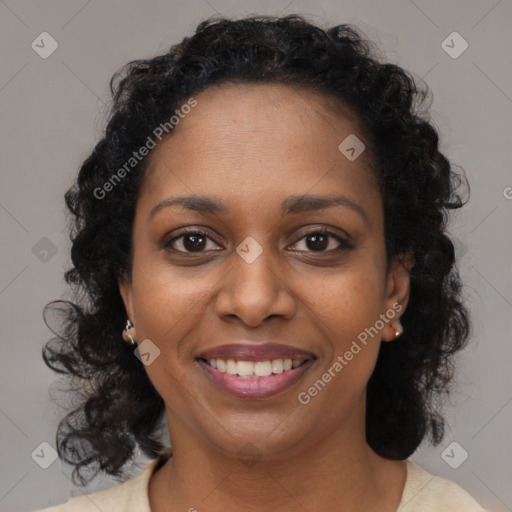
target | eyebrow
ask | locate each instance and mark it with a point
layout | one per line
(291, 205)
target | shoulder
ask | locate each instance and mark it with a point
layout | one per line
(424, 492)
(128, 496)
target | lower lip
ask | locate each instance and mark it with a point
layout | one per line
(260, 387)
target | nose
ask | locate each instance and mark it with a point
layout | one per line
(255, 290)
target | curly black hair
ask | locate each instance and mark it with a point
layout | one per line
(119, 410)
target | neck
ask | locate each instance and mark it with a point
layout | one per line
(339, 473)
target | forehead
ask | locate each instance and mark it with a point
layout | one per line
(260, 141)
(232, 110)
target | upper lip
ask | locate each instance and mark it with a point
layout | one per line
(256, 352)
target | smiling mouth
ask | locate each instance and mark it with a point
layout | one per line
(254, 370)
(255, 379)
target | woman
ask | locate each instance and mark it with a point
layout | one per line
(260, 241)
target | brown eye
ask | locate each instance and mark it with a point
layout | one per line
(194, 242)
(189, 242)
(319, 241)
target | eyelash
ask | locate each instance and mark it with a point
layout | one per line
(344, 243)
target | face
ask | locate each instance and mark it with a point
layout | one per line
(263, 265)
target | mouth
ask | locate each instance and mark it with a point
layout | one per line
(255, 371)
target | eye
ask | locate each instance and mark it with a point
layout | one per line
(196, 241)
(319, 241)
(190, 241)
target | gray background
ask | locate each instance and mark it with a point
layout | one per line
(51, 111)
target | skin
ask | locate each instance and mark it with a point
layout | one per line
(252, 146)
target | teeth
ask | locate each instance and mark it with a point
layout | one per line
(245, 368)
(250, 369)
(231, 367)
(277, 366)
(263, 368)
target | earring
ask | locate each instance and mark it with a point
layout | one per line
(126, 334)
(399, 328)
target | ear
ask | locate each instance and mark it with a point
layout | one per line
(125, 289)
(397, 291)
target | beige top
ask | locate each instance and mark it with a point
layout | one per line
(422, 492)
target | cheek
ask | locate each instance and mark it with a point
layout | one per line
(167, 301)
(168, 309)
(349, 300)
(345, 309)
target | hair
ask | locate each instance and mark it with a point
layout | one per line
(119, 410)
